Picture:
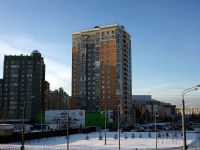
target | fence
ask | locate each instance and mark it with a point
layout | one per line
(17, 137)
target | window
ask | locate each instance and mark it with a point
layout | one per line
(15, 66)
(14, 75)
(13, 84)
(103, 87)
(29, 75)
(30, 62)
(29, 66)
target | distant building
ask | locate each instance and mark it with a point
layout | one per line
(23, 81)
(48, 97)
(60, 99)
(101, 70)
(145, 109)
(189, 111)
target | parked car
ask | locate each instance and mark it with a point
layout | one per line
(131, 127)
(153, 130)
(166, 128)
(141, 129)
(126, 129)
(112, 130)
(190, 129)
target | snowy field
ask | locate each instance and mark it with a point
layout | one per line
(78, 142)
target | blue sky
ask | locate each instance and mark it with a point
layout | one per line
(165, 40)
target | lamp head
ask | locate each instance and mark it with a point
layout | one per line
(195, 89)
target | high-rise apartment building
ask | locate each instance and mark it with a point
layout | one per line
(23, 81)
(101, 70)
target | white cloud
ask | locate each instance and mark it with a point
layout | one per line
(58, 66)
(58, 74)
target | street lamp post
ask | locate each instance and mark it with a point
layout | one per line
(183, 114)
(22, 147)
(68, 127)
(156, 130)
(41, 123)
(119, 125)
(105, 126)
(23, 116)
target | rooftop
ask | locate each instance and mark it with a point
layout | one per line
(36, 51)
(101, 27)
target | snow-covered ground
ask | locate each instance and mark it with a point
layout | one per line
(78, 142)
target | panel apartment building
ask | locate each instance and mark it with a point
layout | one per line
(101, 70)
(23, 81)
